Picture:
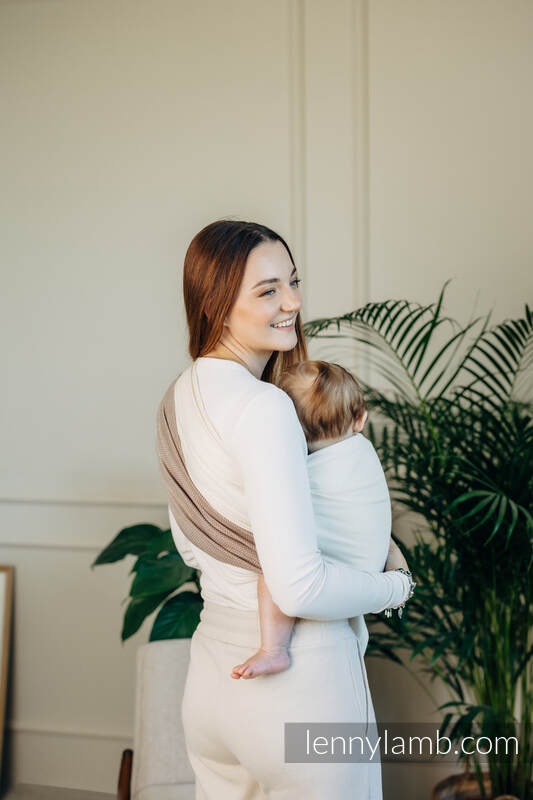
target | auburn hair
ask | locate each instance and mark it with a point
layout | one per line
(326, 396)
(212, 275)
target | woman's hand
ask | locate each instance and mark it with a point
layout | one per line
(395, 558)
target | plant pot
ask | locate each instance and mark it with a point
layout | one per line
(465, 787)
(506, 797)
(461, 787)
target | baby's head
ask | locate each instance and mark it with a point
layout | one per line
(328, 400)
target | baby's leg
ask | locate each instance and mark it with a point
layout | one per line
(276, 630)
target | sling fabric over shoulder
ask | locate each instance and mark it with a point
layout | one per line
(196, 517)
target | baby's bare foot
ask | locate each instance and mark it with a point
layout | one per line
(264, 662)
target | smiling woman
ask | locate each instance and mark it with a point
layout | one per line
(249, 309)
(237, 436)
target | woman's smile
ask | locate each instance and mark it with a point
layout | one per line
(286, 324)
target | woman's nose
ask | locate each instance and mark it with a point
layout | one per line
(290, 300)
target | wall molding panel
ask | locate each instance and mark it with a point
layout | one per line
(297, 137)
(361, 144)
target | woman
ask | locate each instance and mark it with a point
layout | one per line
(245, 452)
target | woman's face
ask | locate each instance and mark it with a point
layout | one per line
(263, 316)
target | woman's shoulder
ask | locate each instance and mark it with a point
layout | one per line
(268, 399)
(233, 377)
(268, 419)
(231, 393)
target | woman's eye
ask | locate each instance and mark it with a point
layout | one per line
(296, 282)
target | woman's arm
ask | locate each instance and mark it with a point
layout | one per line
(269, 445)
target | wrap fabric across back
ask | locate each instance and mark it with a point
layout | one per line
(200, 522)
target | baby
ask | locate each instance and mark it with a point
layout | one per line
(350, 496)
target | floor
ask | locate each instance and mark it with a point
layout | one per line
(26, 791)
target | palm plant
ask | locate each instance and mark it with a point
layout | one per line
(454, 432)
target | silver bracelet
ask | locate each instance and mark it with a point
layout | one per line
(412, 584)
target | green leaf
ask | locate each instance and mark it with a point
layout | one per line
(138, 609)
(156, 575)
(514, 520)
(178, 618)
(445, 723)
(503, 502)
(487, 498)
(162, 543)
(130, 541)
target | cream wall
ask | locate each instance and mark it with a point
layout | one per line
(388, 141)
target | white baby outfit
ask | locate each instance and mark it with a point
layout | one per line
(352, 508)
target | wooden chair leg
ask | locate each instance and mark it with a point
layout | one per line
(124, 776)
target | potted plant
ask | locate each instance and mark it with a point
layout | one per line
(453, 426)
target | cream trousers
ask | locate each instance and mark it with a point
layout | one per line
(234, 729)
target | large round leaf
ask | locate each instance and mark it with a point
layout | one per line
(178, 618)
(130, 541)
(156, 575)
(138, 609)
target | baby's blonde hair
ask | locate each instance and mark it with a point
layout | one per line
(326, 396)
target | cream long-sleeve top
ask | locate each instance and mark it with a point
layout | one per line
(245, 450)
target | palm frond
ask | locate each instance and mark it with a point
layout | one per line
(399, 336)
(501, 359)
